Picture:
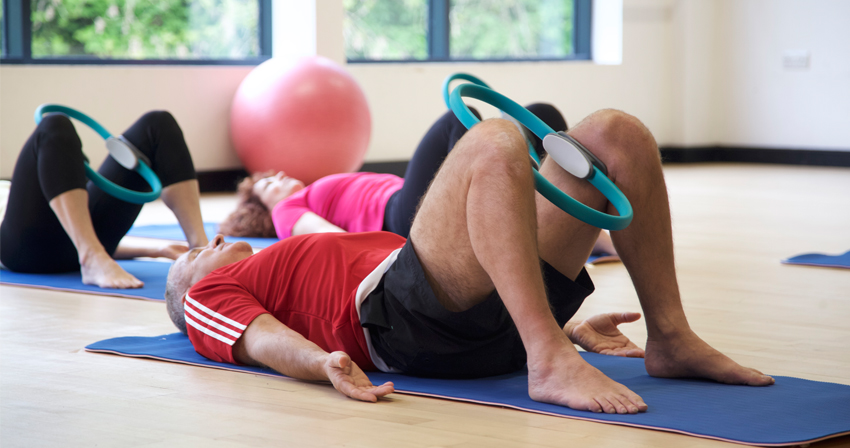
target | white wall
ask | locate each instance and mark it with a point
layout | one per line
(697, 72)
(761, 103)
(199, 97)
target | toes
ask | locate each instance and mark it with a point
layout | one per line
(759, 379)
(607, 406)
(594, 406)
(620, 406)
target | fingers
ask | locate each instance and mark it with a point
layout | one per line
(384, 389)
(627, 352)
(636, 353)
(368, 393)
(341, 360)
(624, 317)
(348, 379)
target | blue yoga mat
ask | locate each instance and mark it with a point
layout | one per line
(153, 273)
(792, 411)
(175, 233)
(829, 261)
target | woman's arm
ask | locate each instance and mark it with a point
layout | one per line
(126, 251)
(268, 342)
(310, 222)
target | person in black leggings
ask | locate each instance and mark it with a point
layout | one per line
(58, 221)
(253, 219)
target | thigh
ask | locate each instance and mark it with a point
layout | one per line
(441, 231)
(51, 162)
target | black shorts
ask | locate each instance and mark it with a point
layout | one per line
(412, 332)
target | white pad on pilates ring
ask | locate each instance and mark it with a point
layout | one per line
(570, 157)
(122, 151)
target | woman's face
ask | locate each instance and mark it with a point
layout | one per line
(274, 189)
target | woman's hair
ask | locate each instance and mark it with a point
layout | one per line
(251, 217)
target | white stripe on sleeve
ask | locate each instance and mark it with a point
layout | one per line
(211, 322)
(205, 330)
(213, 314)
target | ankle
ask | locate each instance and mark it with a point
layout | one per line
(667, 332)
(543, 353)
(91, 255)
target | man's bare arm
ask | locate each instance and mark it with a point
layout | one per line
(268, 342)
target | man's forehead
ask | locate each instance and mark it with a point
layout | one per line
(181, 263)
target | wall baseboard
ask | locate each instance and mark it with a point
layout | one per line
(673, 154)
(226, 180)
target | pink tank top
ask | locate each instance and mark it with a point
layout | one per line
(354, 202)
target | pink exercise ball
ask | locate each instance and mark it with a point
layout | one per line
(308, 118)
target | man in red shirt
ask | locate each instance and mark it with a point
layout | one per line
(485, 284)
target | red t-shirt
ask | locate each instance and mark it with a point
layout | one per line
(309, 282)
(354, 202)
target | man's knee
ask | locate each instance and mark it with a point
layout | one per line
(496, 147)
(617, 137)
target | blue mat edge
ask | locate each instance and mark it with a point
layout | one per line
(820, 260)
(154, 288)
(272, 373)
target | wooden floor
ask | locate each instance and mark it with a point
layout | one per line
(732, 225)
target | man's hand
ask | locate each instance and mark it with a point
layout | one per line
(351, 381)
(172, 251)
(599, 334)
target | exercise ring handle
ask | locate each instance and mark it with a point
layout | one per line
(565, 150)
(120, 149)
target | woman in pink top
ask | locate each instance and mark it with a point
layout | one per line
(359, 202)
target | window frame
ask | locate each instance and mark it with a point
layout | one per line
(17, 42)
(438, 37)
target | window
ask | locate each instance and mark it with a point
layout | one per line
(466, 30)
(137, 31)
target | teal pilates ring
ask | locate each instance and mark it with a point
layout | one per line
(564, 149)
(120, 149)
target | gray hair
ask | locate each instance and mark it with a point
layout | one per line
(176, 287)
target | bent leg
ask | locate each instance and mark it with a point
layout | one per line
(476, 231)
(646, 246)
(51, 163)
(157, 135)
(47, 227)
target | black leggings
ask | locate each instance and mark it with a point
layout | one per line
(51, 163)
(429, 155)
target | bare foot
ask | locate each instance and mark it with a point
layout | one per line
(568, 380)
(688, 356)
(101, 270)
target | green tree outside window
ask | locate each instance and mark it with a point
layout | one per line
(146, 29)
